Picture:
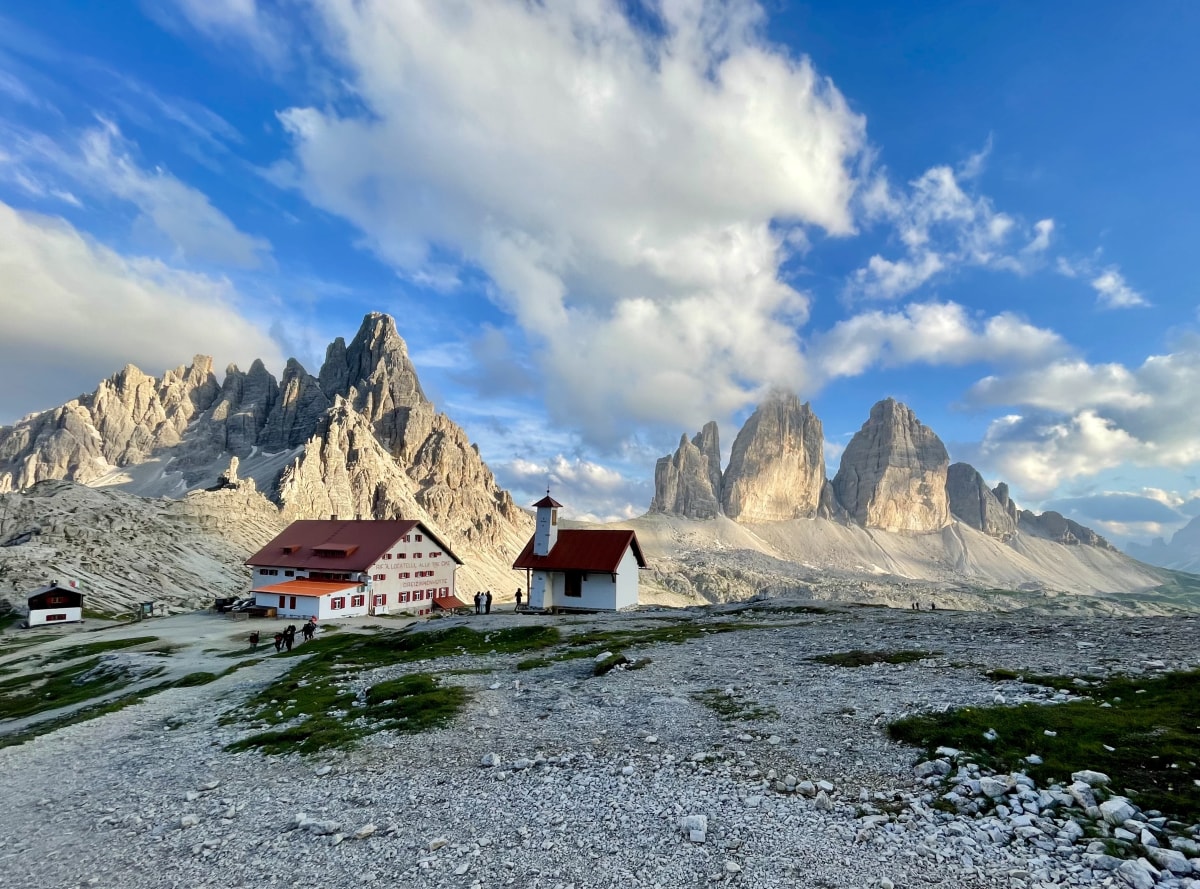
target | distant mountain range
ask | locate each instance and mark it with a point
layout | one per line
(1181, 554)
(360, 438)
(240, 457)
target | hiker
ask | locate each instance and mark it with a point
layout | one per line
(254, 640)
(932, 606)
(518, 598)
(487, 603)
(289, 636)
(279, 642)
(309, 630)
(478, 602)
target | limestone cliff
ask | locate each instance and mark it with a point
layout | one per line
(893, 473)
(971, 501)
(776, 471)
(683, 481)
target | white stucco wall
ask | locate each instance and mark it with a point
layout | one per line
(38, 617)
(598, 592)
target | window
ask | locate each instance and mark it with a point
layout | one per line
(403, 575)
(429, 594)
(401, 555)
(56, 600)
(407, 538)
(445, 591)
(378, 577)
(554, 517)
(387, 557)
(419, 538)
(434, 555)
(380, 599)
(54, 617)
(269, 572)
(357, 601)
(289, 573)
(416, 555)
(281, 600)
(337, 603)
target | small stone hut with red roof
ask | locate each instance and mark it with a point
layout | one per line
(593, 569)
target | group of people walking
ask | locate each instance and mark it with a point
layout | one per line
(284, 639)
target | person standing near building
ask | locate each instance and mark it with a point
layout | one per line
(518, 598)
(478, 602)
(487, 603)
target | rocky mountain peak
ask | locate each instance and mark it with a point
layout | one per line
(683, 481)
(374, 373)
(777, 467)
(972, 502)
(893, 473)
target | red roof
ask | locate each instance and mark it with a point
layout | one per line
(338, 545)
(449, 603)
(583, 550)
(547, 501)
(306, 587)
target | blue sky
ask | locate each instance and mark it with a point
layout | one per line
(600, 223)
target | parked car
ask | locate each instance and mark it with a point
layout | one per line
(243, 605)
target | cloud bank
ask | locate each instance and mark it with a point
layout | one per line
(75, 312)
(633, 195)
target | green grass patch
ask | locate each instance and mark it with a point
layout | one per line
(591, 644)
(191, 680)
(317, 711)
(50, 690)
(82, 715)
(860, 658)
(91, 649)
(1152, 726)
(732, 708)
(9, 619)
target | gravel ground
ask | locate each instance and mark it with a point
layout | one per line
(600, 781)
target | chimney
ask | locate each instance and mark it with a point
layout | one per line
(358, 517)
(333, 517)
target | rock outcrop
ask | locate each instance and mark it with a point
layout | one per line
(893, 473)
(777, 467)
(683, 481)
(1006, 502)
(1056, 527)
(971, 501)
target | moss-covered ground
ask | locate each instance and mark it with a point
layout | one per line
(1144, 733)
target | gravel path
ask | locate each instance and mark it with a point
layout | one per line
(600, 782)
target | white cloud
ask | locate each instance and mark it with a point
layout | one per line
(75, 312)
(942, 228)
(574, 481)
(244, 19)
(103, 164)
(1082, 419)
(1112, 290)
(928, 333)
(196, 228)
(633, 195)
